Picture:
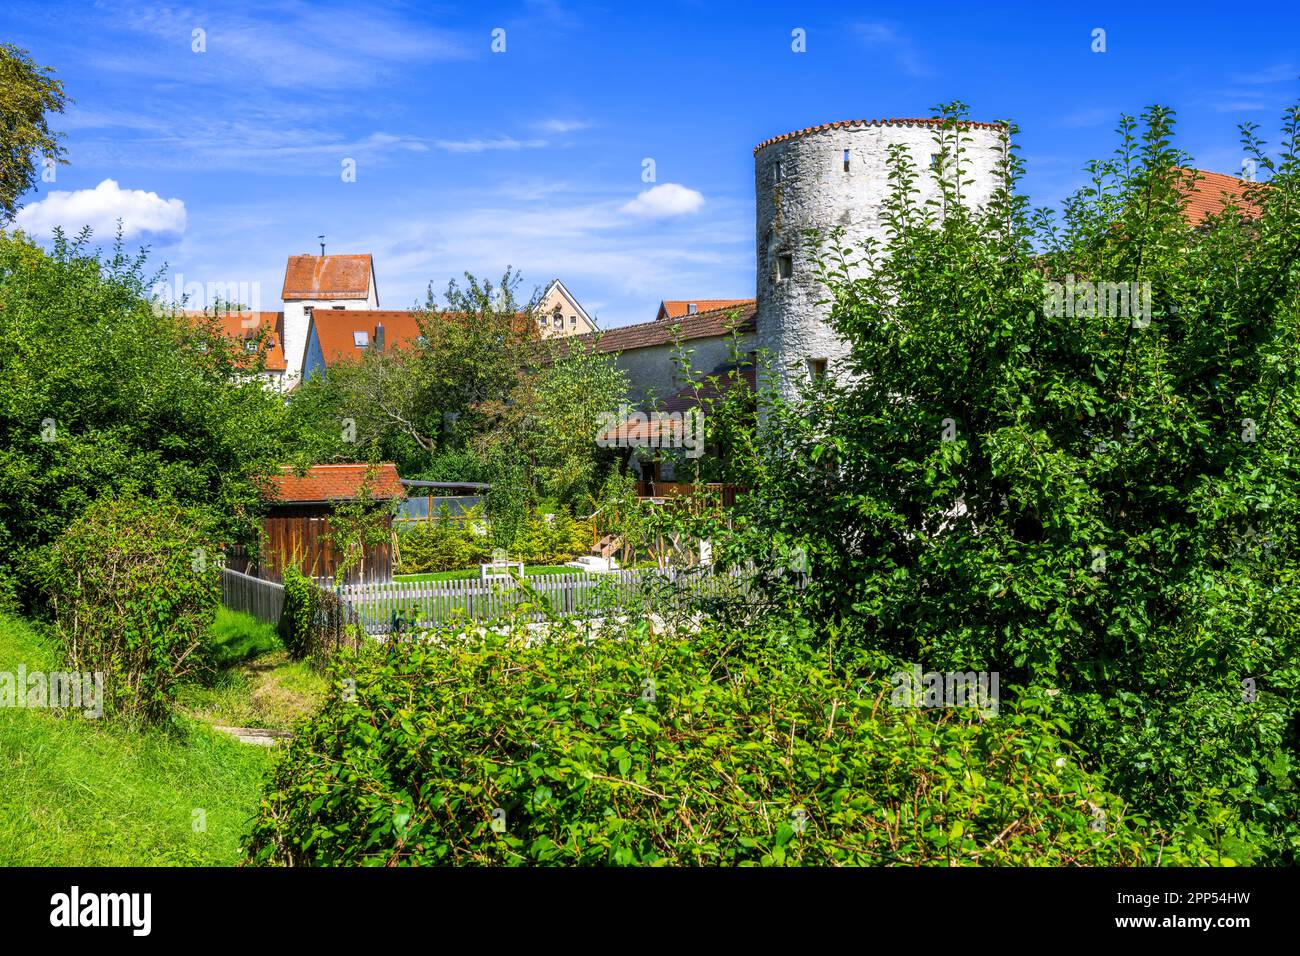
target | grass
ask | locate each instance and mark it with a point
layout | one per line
(253, 682)
(89, 793)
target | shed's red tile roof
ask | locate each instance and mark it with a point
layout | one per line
(335, 328)
(327, 277)
(701, 325)
(335, 483)
(841, 124)
(1211, 192)
(243, 326)
(679, 308)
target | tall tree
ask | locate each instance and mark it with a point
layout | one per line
(27, 93)
(102, 394)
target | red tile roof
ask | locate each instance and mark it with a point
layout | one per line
(323, 483)
(677, 308)
(701, 325)
(1211, 192)
(841, 124)
(335, 328)
(327, 277)
(243, 326)
(713, 387)
(652, 430)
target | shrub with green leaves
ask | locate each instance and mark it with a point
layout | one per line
(297, 616)
(315, 623)
(551, 538)
(443, 544)
(133, 586)
(637, 749)
(451, 545)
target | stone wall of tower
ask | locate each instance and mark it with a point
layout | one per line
(801, 183)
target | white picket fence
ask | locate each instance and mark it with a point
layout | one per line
(375, 604)
(425, 603)
(243, 592)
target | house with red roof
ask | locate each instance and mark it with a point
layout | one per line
(680, 308)
(1208, 194)
(258, 337)
(345, 335)
(644, 351)
(719, 344)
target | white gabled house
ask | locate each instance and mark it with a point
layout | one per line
(325, 283)
(559, 313)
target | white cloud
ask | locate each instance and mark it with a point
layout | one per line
(483, 145)
(288, 44)
(664, 201)
(101, 208)
(1087, 117)
(1280, 73)
(558, 127)
(888, 37)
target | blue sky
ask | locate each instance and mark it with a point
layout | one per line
(227, 161)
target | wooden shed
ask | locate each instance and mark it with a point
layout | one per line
(296, 529)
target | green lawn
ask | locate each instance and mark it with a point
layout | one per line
(253, 684)
(83, 792)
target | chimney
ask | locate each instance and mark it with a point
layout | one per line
(379, 337)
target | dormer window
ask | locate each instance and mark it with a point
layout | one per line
(360, 339)
(691, 308)
(250, 345)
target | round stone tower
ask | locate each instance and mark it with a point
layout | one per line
(837, 175)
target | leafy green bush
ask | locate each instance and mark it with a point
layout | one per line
(301, 599)
(449, 545)
(726, 749)
(551, 538)
(443, 545)
(133, 586)
(315, 624)
(452, 464)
